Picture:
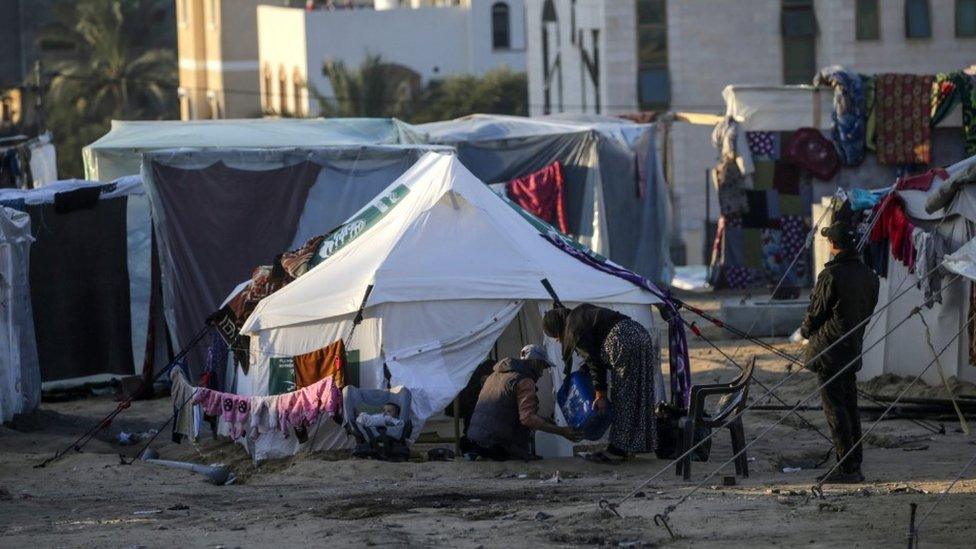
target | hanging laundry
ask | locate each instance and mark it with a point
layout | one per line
(216, 361)
(264, 416)
(850, 112)
(786, 177)
(922, 181)
(871, 125)
(793, 241)
(875, 255)
(730, 187)
(813, 152)
(895, 226)
(930, 249)
(329, 361)
(951, 89)
(764, 144)
(861, 199)
(235, 410)
(304, 407)
(182, 395)
(727, 139)
(296, 263)
(542, 193)
(903, 109)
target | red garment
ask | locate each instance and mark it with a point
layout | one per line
(894, 225)
(542, 194)
(922, 181)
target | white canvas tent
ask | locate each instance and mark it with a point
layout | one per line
(455, 271)
(20, 374)
(119, 152)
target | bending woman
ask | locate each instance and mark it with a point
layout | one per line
(610, 341)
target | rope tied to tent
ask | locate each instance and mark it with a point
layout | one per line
(125, 404)
(817, 488)
(944, 493)
(671, 508)
(793, 359)
(778, 384)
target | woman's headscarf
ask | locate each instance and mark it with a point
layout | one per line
(554, 322)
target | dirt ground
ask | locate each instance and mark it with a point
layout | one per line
(89, 499)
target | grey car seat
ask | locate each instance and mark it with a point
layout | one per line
(389, 443)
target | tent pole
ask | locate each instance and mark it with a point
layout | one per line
(457, 428)
(945, 382)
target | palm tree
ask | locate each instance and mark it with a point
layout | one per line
(376, 89)
(117, 70)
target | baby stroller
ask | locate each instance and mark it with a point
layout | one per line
(384, 443)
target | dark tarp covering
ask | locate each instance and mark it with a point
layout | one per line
(80, 290)
(221, 223)
(219, 213)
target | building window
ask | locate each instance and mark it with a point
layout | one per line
(966, 18)
(297, 83)
(918, 20)
(799, 29)
(868, 23)
(282, 91)
(653, 82)
(501, 35)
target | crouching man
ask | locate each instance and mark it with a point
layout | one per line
(508, 410)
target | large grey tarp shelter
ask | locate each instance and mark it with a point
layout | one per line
(90, 278)
(617, 200)
(219, 213)
(118, 153)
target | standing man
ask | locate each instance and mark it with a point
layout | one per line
(508, 410)
(845, 295)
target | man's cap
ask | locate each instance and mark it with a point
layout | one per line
(534, 352)
(840, 233)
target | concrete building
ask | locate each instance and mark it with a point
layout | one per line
(425, 39)
(218, 59)
(680, 54)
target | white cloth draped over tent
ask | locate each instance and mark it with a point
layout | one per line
(20, 374)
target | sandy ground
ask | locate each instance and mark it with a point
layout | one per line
(89, 499)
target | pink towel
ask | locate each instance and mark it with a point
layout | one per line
(234, 409)
(303, 407)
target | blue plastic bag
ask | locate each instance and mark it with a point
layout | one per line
(575, 399)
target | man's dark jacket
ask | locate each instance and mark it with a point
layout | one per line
(845, 294)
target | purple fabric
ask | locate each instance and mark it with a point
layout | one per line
(677, 341)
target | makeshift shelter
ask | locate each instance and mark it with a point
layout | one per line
(453, 271)
(218, 213)
(20, 376)
(616, 198)
(90, 276)
(763, 226)
(118, 153)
